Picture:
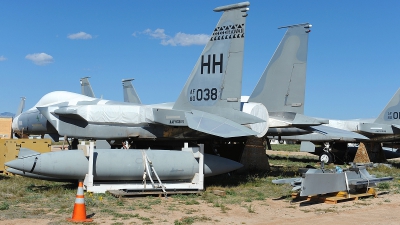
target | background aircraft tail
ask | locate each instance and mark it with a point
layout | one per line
(391, 113)
(281, 88)
(216, 79)
(20, 107)
(129, 91)
(86, 89)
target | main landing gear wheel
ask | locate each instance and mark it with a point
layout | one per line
(326, 157)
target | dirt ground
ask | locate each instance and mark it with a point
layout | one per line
(380, 210)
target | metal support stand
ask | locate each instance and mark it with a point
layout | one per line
(140, 187)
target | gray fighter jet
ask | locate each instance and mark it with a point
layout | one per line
(281, 89)
(209, 103)
(385, 128)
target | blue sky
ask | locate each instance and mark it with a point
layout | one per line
(353, 60)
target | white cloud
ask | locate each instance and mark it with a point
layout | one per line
(80, 35)
(2, 58)
(158, 33)
(40, 59)
(186, 39)
(180, 38)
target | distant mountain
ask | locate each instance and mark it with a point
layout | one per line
(7, 114)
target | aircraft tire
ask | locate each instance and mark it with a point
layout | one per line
(326, 157)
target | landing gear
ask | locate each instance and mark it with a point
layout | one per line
(280, 140)
(326, 157)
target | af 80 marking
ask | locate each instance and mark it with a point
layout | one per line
(205, 94)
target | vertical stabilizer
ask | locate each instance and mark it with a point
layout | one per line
(216, 79)
(391, 113)
(281, 88)
(86, 89)
(20, 107)
(129, 91)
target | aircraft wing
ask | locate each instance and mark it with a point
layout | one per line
(216, 125)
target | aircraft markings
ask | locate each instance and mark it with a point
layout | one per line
(203, 94)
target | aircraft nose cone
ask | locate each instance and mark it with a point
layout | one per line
(25, 164)
(16, 164)
(217, 165)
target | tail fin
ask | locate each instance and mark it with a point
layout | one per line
(391, 113)
(20, 107)
(86, 89)
(129, 91)
(281, 88)
(216, 79)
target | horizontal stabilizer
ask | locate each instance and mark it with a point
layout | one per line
(216, 125)
(294, 119)
(338, 134)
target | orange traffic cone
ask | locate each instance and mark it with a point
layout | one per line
(79, 214)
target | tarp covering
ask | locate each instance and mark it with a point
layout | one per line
(110, 114)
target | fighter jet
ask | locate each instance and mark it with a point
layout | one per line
(385, 128)
(32, 122)
(281, 89)
(209, 103)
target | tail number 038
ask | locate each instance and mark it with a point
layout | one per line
(205, 94)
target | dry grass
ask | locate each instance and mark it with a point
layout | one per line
(35, 199)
